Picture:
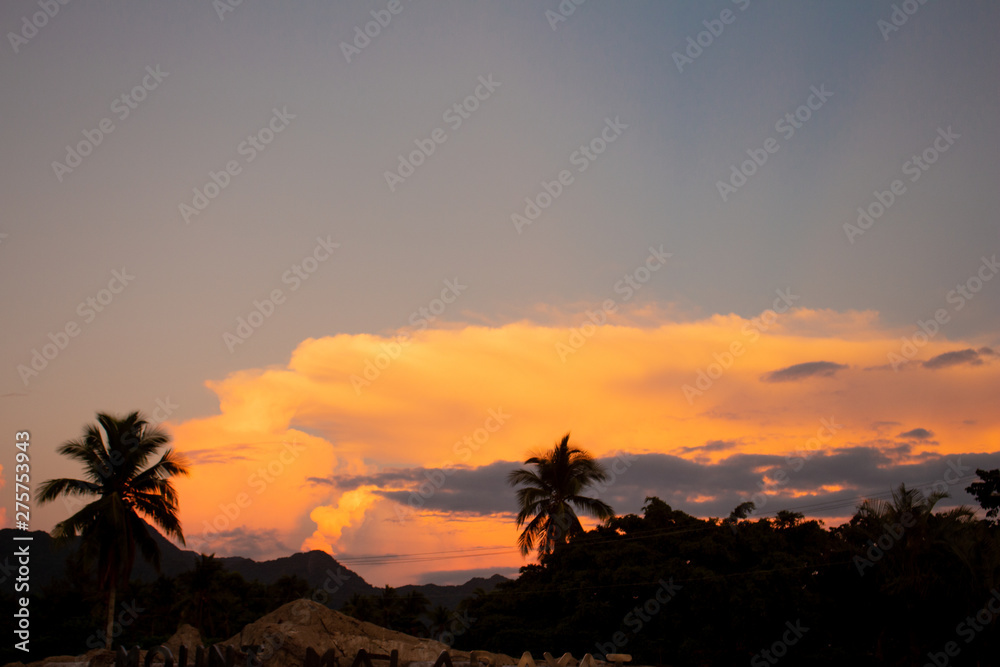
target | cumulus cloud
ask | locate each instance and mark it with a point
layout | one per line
(332, 520)
(802, 371)
(304, 450)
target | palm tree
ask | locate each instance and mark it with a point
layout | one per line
(113, 453)
(440, 616)
(414, 605)
(361, 607)
(202, 591)
(387, 606)
(549, 493)
(906, 547)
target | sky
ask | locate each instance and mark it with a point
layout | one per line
(360, 260)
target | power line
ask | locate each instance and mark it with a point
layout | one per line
(451, 554)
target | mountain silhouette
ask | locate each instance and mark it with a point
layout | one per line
(318, 568)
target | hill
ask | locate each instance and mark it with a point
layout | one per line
(318, 568)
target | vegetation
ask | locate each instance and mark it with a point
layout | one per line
(899, 581)
(149, 612)
(408, 613)
(548, 494)
(987, 492)
(114, 453)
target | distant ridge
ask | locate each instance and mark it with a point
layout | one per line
(318, 568)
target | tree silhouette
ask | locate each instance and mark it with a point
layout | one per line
(113, 453)
(361, 607)
(904, 542)
(440, 616)
(387, 606)
(202, 590)
(987, 492)
(413, 606)
(549, 493)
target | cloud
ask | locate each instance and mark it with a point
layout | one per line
(710, 446)
(968, 356)
(331, 521)
(831, 482)
(303, 450)
(258, 544)
(916, 434)
(481, 490)
(802, 371)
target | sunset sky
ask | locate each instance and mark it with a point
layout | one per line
(360, 277)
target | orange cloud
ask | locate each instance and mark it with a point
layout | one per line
(331, 521)
(473, 395)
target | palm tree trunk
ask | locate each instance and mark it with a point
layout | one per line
(111, 615)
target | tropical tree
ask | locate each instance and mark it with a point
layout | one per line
(114, 453)
(203, 594)
(361, 607)
(440, 617)
(549, 493)
(414, 606)
(914, 558)
(387, 607)
(987, 492)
